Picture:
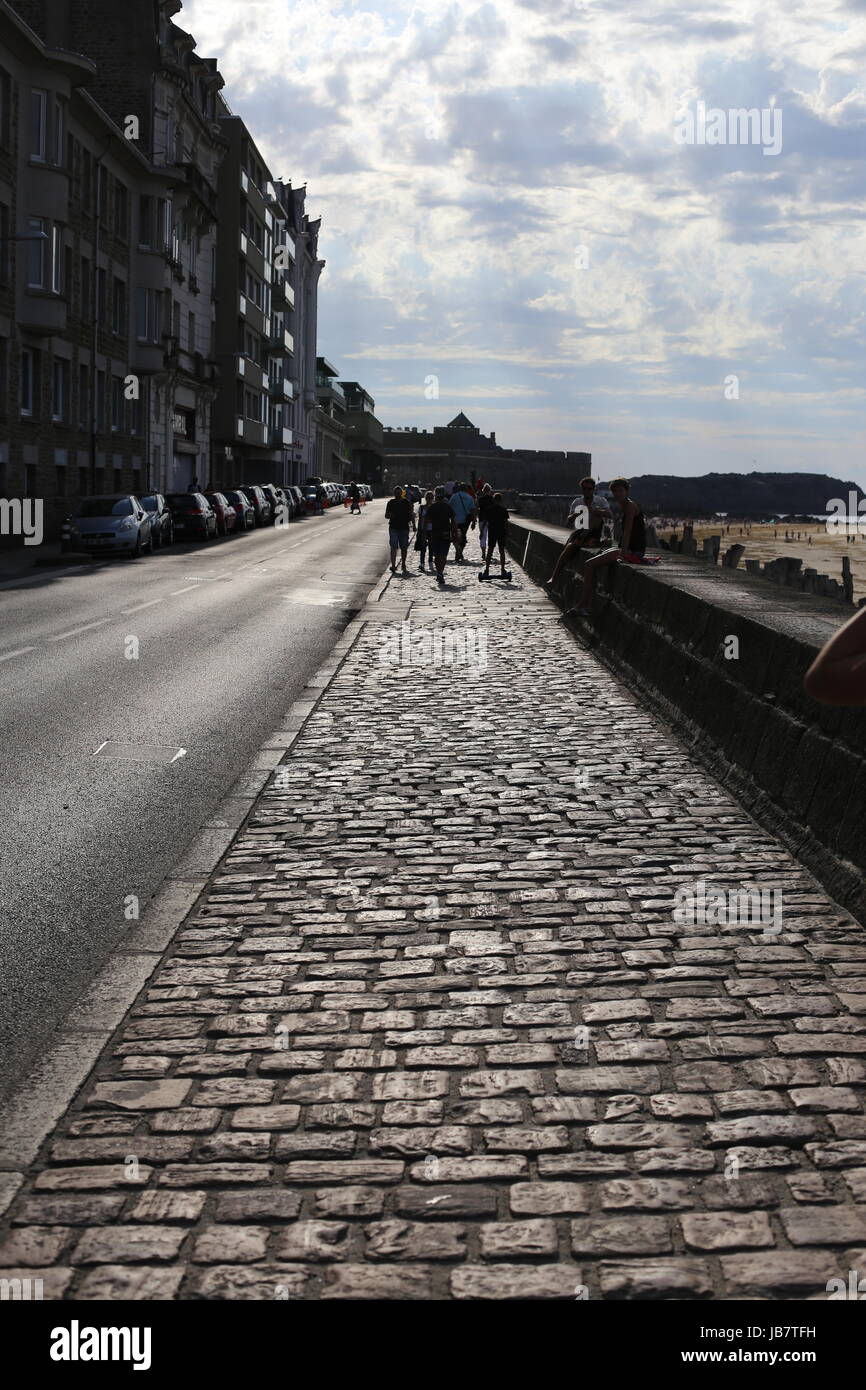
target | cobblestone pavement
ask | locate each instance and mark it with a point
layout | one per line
(433, 1031)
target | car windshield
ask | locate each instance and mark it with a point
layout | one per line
(236, 497)
(149, 503)
(106, 506)
(183, 501)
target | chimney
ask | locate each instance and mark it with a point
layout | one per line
(493, 436)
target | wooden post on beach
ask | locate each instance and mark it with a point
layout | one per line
(847, 579)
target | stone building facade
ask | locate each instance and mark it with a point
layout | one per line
(73, 398)
(459, 451)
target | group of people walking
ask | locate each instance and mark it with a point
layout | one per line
(443, 521)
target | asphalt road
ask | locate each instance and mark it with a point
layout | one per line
(228, 634)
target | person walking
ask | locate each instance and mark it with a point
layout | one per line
(355, 495)
(462, 504)
(496, 533)
(400, 515)
(443, 530)
(422, 542)
(485, 500)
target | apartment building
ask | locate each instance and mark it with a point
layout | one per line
(154, 86)
(255, 345)
(73, 398)
(364, 434)
(332, 461)
(304, 233)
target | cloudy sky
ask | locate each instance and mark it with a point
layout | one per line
(511, 206)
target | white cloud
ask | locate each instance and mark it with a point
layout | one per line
(460, 153)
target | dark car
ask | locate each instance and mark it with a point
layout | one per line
(278, 500)
(227, 517)
(262, 505)
(244, 509)
(161, 518)
(295, 492)
(194, 517)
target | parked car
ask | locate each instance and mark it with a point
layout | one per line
(295, 492)
(227, 517)
(194, 517)
(314, 499)
(262, 505)
(244, 510)
(161, 519)
(115, 522)
(279, 502)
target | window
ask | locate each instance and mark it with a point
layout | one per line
(121, 210)
(4, 244)
(100, 400)
(5, 107)
(86, 290)
(56, 258)
(118, 306)
(27, 379)
(83, 397)
(58, 151)
(36, 228)
(60, 393)
(190, 342)
(175, 320)
(60, 482)
(145, 221)
(67, 270)
(147, 315)
(100, 295)
(38, 123)
(117, 403)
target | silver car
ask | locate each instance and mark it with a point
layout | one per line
(115, 523)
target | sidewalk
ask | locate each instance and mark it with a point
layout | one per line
(433, 1031)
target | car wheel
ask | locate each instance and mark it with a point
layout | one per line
(136, 553)
(170, 540)
(149, 546)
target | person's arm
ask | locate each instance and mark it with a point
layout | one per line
(412, 519)
(837, 676)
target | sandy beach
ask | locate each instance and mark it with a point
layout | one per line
(768, 542)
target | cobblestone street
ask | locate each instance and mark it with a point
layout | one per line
(434, 1032)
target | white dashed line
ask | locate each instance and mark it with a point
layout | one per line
(61, 637)
(20, 652)
(138, 607)
(189, 588)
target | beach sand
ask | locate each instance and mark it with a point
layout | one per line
(768, 543)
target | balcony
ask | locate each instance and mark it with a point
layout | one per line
(251, 431)
(281, 386)
(327, 389)
(43, 313)
(200, 191)
(281, 438)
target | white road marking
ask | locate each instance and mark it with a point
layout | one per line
(102, 745)
(20, 652)
(61, 637)
(181, 753)
(189, 588)
(138, 607)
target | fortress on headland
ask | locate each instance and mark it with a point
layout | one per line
(460, 451)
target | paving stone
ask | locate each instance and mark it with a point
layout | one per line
(543, 1281)
(349, 1201)
(415, 1240)
(68, 1211)
(35, 1245)
(127, 1244)
(824, 1225)
(778, 1273)
(511, 1239)
(379, 1282)
(621, 1235)
(139, 1095)
(442, 1203)
(312, 1240)
(727, 1230)
(137, 1283)
(548, 1198)
(266, 1282)
(230, 1244)
(655, 1279)
(646, 1194)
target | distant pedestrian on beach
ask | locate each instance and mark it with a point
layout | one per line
(588, 515)
(631, 548)
(837, 676)
(400, 515)
(443, 531)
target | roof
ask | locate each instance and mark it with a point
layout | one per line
(460, 422)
